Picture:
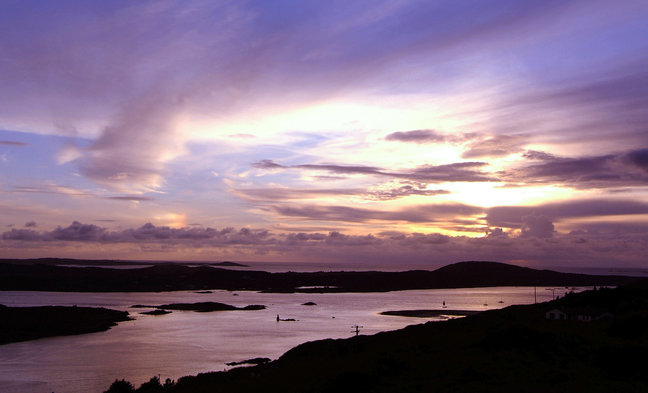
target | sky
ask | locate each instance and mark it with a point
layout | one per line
(409, 133)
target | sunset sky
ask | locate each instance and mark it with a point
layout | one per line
(416, 133)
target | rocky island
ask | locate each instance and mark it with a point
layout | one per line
(202, 307)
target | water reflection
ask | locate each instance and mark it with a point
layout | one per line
(186, 342)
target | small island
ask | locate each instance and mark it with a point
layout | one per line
(202, 307)
(156, 312)
(30, 323)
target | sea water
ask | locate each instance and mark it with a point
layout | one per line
(188, 343)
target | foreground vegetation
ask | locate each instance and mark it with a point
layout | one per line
(515, 349)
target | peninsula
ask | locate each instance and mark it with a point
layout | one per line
(30, 323)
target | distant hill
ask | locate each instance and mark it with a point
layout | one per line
(170, 277)
(227, 264)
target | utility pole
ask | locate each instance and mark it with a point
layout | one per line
(553, 292)
(357, 329)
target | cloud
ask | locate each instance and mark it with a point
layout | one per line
(513, 216)
(604, 171)
(22, 234)
(386, 192)
(495, 146)
(74, 232)
(539, 155)
(130, 154)
(416, 136)
(132, 198)
(456, 172)
(78, 232)
(50, 188)
(412, 214)
(403, 189)
(268, 164)
(638, 158)
(537, 226)
(539, 245)
(13, 143)
(276, 193)
(496, 233)
(625, 92)
(600, 109)
(31, 224)
(478, 144)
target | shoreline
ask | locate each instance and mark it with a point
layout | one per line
(509, 349)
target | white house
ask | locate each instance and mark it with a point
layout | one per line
(556, 314)
(585, 314)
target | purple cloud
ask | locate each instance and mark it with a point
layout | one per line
(401, 190)
(78, 232)
(13, 143)
(414, 214)
(604, 171)
(22, 234)
(537, 226)
(62, 190)
(538, 245)
(539, 155)
(495, 146)
(132, 198)
(639, 158)
(417, 136)
(456, 172)
(404, 189)
(513, 216)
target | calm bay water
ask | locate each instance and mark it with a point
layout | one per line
(187, 343)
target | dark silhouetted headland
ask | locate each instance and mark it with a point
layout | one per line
(170, 277)
(29, 323)
(516, 349)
